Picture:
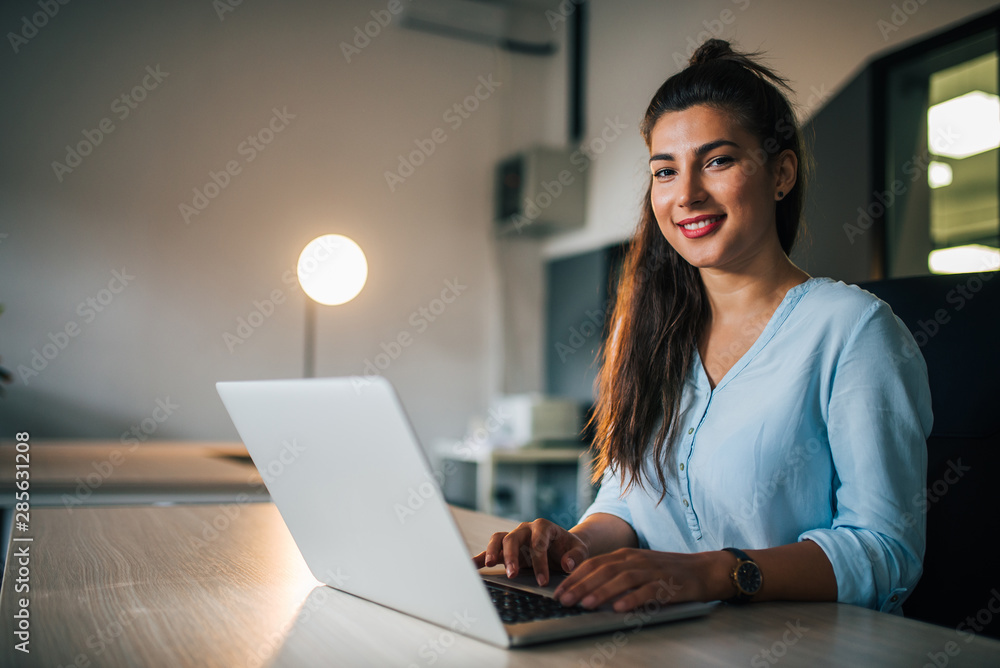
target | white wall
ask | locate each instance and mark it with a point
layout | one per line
(162, 336)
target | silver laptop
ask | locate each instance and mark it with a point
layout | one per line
(344, 467)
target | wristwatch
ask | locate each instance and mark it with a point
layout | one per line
(746, 576)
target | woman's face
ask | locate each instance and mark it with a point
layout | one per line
(713, 192)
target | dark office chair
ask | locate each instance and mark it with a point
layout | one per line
(956, 322)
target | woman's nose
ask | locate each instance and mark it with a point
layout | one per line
(692, 191)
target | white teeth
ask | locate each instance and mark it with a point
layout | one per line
(702, 223)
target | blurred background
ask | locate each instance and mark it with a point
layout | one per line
(164, 163)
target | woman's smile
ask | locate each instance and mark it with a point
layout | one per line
(700, 226)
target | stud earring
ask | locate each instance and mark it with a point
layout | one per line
(781, 194)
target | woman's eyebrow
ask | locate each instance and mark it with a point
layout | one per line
(700, 151)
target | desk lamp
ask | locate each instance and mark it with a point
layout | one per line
(332, 270)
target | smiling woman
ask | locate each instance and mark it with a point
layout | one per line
(760, 432)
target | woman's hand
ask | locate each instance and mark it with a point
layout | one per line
(540, 545)
(636, 577)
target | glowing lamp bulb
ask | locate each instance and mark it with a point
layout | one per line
(332, 269)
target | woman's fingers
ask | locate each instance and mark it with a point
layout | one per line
(574, 555)
(493, 554)
(616, 572)
(595, 585)
(563, 550)
(579, 573)
(659, 593)
(514, 548)
(611, 588)
(540, 544)
(541, 539)
(631, 578)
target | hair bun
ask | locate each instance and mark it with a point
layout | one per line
(712, 49)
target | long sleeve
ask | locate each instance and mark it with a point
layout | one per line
(879, 417)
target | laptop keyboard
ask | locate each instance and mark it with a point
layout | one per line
(518, 606)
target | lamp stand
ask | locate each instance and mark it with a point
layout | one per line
(310, 347)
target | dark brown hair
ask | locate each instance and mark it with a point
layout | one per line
(661, 307)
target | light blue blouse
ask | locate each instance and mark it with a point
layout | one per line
(818, 432)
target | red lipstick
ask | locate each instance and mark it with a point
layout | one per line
(717, 220)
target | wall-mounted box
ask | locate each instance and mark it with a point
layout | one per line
(534, 420)
(540, 191)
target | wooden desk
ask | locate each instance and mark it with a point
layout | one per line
(81, 472)
(160, 586)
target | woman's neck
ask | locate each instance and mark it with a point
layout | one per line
(735, 296)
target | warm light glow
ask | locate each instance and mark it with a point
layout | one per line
(964, 259)
(964, 125)
(939, 174)
(332, 269)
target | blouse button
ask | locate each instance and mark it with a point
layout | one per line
(691, 430)
(686, 504)
(682, 467)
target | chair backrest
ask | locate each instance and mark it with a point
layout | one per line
(956, 321)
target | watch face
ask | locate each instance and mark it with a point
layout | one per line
(748, 577)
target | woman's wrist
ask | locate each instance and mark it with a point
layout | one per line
(718, 580)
